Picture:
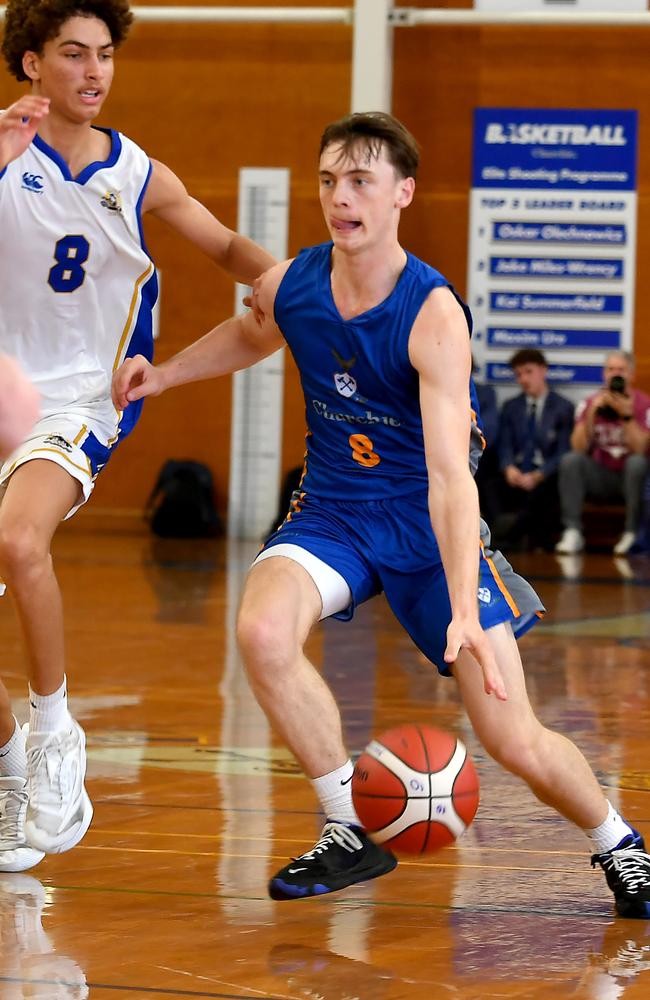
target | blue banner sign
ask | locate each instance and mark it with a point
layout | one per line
(560, 149)
(552, 302)
(502, 374)
(557, 267)
(547, 339)
(594, 234)
(552, 241)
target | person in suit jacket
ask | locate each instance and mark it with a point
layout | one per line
(488, 475)
(534, 433)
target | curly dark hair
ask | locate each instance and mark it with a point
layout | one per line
(29, 24)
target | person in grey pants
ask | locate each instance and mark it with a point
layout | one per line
(609, 457)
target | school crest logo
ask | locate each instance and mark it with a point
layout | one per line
(58, 442)
(345, 384)
(484, 595)
(113, 202)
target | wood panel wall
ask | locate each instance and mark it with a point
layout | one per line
(207, 100)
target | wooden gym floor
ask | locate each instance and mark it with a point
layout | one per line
(196, 804)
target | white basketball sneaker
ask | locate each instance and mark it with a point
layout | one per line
(16, 855)
(625, 543)
(571, 542)
(59, 810)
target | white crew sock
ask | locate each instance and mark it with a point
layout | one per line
(610, 833)
(334, 791)
(49, 713)
(13, 757)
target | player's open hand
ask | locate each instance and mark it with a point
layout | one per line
(135, 379)
(463, 634)
(253, 302)
(19, 124)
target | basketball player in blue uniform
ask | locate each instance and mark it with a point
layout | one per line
(387, 502)
(77, 288)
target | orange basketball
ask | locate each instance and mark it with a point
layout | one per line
(415, 789)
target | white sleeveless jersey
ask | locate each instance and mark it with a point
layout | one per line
(77, 286)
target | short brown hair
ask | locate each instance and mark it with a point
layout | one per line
(29, 24)
(527, 356)
(373, 130)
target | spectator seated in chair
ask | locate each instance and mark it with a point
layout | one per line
(534, 433)
(609, 457)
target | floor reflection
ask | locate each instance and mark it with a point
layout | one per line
(31, 967)
(317, 973)
(620, 966)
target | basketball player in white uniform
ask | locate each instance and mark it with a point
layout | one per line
(19, 405)
(77, 288)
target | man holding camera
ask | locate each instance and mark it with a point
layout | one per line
(609, 454)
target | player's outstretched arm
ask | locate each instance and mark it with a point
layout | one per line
(18, 126)
(19, 405)
(237, 343)
(439, 349)
(168, 199)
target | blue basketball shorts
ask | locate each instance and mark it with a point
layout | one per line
(389, 546)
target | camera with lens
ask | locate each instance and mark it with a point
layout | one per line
(616, 384)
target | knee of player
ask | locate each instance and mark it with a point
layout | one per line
(265, 640)
(518, 752)
(21, 548)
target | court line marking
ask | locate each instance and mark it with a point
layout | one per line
(218, 982)
(218, 809)
(354, 901)
(291, 840)
(238, 810)
(126, 988)
(280, 857)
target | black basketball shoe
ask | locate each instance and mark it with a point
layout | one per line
(627, 870)
(343, 855)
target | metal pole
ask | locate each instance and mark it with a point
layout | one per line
(410, 17)
(220, 15)
(406, 17)
(372, 56)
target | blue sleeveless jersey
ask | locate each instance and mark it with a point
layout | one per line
(364, 438)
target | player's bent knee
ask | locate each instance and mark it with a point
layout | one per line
(265, 642)
(520, 754)
(20, 549)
